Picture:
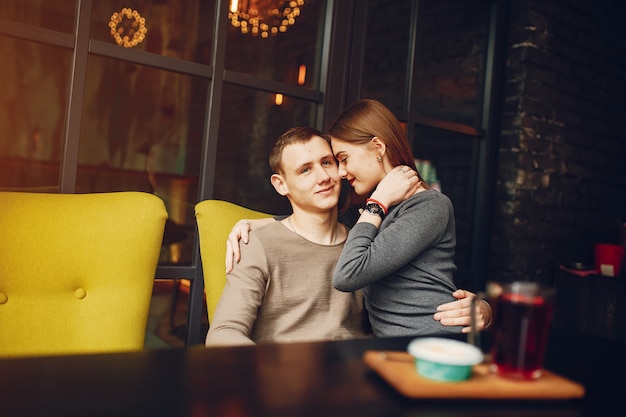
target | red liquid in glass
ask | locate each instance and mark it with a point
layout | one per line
(520, 334)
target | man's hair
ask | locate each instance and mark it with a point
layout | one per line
(294, 135)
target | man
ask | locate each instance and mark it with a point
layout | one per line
(281, 290)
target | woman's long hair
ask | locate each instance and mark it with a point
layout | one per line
(362, 121)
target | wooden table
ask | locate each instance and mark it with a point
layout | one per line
(302, 379)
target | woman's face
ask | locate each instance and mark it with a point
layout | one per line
(358, 164)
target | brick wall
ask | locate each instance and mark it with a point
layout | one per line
(561, 176)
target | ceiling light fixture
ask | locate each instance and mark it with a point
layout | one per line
(264, 17)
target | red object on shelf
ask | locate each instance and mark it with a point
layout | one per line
(609, 259)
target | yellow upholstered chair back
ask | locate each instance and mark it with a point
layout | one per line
(77, 271)
(215, 220)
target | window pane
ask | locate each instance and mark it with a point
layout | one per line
(450, 159)
(33, 103)
(451, 59)
(142, 130)
(246, 136)
(54, 15)
(181, 29)
(281, 57)
(385, 66)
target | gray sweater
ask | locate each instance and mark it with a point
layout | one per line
(405, 267)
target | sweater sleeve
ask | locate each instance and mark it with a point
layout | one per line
(236, 311)
(371, 254)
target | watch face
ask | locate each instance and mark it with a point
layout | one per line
(374, 209)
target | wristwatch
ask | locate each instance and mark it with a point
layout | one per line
(375, 209)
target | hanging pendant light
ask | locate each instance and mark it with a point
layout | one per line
(264, 17)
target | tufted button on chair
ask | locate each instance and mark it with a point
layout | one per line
(77, 271)
(215, 219)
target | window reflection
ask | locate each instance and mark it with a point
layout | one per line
(142, 130)
(33, 106)
(385, 66)
(250, 124)
(451, 59)
(54, 15)
(280, 57)
(181, 29)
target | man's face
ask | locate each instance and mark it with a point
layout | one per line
(310, 176)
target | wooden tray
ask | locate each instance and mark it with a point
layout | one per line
(398, 369)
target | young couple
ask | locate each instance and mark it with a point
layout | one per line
(303, 277)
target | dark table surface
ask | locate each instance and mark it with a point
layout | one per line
(301, 379)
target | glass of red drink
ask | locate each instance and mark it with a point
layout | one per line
(521, 318)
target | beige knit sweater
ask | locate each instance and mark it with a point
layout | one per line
(281, 291)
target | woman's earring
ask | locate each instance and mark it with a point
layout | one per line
(378, 158)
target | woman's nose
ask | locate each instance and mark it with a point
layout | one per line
(342, 171)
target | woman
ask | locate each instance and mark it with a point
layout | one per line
(401, 249)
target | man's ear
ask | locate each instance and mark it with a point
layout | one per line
(379, 146)
(279, 184)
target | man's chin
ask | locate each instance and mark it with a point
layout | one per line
(329, 203)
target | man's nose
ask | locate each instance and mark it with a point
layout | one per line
(322, 175)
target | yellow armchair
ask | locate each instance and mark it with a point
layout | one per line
(215, 220)
(77, 271)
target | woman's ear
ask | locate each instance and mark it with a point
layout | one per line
(379, 146)
(279, 184)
